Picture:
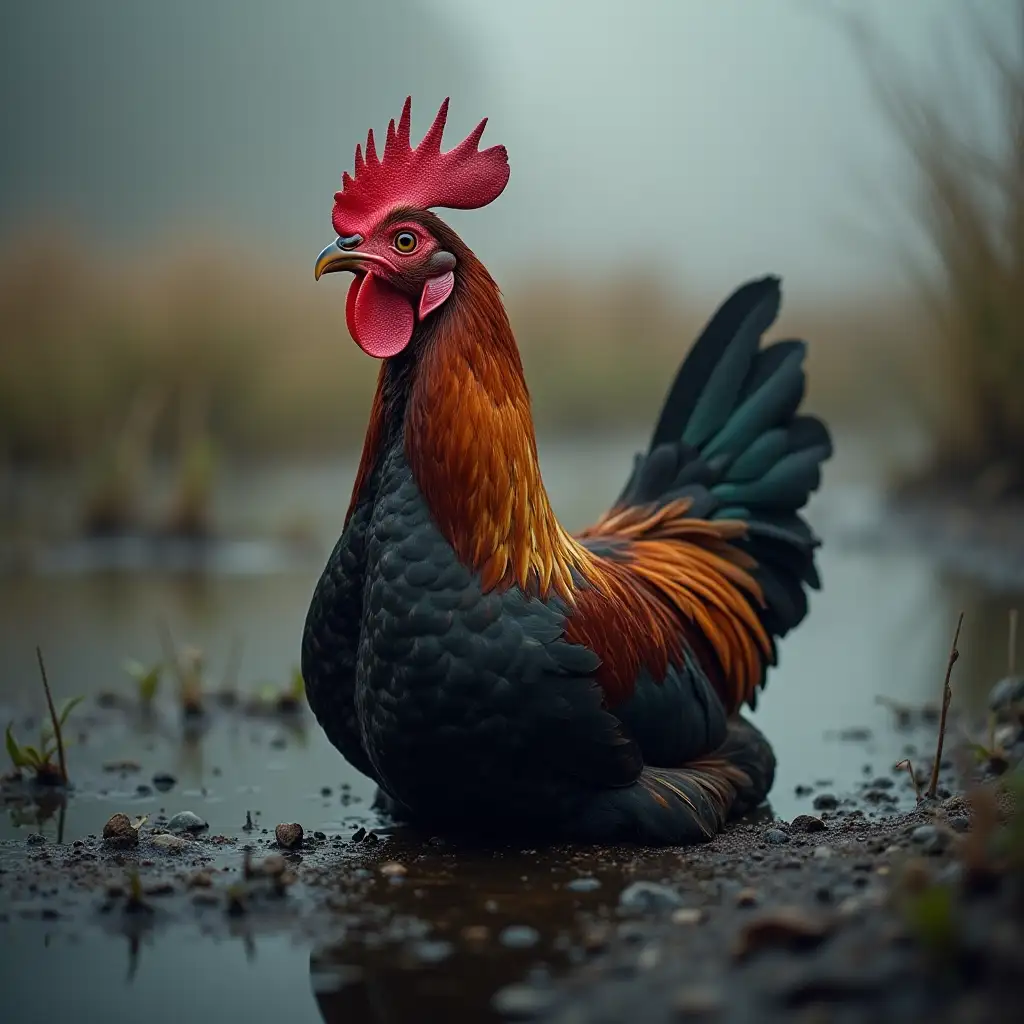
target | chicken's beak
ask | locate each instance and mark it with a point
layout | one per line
(335, 258)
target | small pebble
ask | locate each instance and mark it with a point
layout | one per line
(649, 896)
(289, 835)
(274, 865)
(186, 821)
(37, 839)
(393, 869)
(583, 884)
(807, 823)
(960, 823)
(803, 790)
(163, 781)
(118, 831)
(1006, 693)
(929, 838)
(776, 836)
(519, 936)
(171, 843)
(746, 898)
(781, 927)
(878, 796)
(825, 802)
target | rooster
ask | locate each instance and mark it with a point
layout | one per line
(492, 672)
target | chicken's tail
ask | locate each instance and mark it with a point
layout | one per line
(685, 805)
(730, 442)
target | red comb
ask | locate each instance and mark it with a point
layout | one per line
(462, 179)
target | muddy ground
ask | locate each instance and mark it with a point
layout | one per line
(866, 907)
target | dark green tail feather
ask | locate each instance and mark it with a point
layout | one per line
(729, 438)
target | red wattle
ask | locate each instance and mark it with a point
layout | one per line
(379, 317)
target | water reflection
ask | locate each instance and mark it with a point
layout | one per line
(437, 942)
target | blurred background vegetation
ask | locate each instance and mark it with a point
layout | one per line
(162, 205)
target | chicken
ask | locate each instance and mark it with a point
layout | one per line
(492, 672)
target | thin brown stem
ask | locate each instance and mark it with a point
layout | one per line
(905, 763)
(58, 738)
(947, 696)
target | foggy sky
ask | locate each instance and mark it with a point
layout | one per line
(708, 139)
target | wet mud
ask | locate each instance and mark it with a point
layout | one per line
(866, 904)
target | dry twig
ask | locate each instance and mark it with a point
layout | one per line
(947, 696)
(905, 764)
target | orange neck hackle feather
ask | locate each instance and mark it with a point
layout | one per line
(469, 440)
(470, 443)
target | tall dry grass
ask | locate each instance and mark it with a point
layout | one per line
(968, 200)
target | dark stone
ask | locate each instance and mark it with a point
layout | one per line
(186, 821)
(1006, 693)
(807, 823)
(931, 839)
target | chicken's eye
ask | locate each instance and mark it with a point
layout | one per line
(405, 241)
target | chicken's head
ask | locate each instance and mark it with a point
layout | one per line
(402, 270)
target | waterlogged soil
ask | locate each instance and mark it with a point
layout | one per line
(805, 918)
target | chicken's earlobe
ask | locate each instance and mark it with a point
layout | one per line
(435, 291)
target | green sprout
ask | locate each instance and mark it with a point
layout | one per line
(287, 700)
(39, 759)
(147, 679)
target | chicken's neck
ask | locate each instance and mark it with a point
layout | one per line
(468, 435)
